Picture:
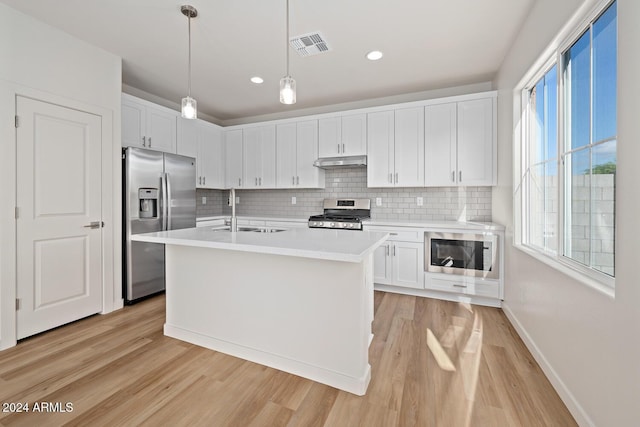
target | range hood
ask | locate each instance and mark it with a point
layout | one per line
(340, 162)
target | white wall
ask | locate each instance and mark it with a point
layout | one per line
(40, 61)
(587, 343)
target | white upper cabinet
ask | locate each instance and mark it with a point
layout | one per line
(203, 140)
(233, 148)
(460, 143)
(342, 135)
(296, 150)
(259, 166)
(395, 148)
(147, 125)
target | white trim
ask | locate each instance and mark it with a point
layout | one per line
(572, 404)
(447, 296)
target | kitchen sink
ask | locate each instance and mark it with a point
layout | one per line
(253, 229)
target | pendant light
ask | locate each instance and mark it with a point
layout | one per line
(189, 105)
(287, 83)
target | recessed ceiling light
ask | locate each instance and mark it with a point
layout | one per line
(374, 55)
(257, 80)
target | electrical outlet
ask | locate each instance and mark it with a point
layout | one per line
(419, 201)
(204, 200)
(378, 201)
(237, 200)
(293, 200)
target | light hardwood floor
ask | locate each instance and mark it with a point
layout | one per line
(434, 363)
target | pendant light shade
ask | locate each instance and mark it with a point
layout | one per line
(189, 105)
(287, 83)
(287, 90)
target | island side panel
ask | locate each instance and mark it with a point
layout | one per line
(305, 316)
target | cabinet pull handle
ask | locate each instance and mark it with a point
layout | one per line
(394, 250)
(393, 234)
(297, 180)
(144, 141)
(396, 177)
(199, 180)
(293, 180)
(342, 148)
(239, 182)
(149, 141)
(204, 180)
(453, 176)
(387, 246)
(260, 181)
(459, 286)
(460, 176)
(338, 148)
(256, 181)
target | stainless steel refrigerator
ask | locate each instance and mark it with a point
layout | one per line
(159, 193)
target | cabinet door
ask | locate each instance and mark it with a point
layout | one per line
(133, 124)
(440, 145)
(187, 143)
(408, 261)
(307, 175)
(354, 135)
(233, 158)
(161, 129)
(330, 137)
(286, 155)
(409, 147)
(380, 156)
(260, 157)
(210, 160)
(476, 148)
(382, 264)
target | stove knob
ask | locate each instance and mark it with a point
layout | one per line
(333, 224)
(351, 225)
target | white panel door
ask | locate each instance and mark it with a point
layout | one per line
(380, 151)
(307, 175)
(409, 147)
(440, 145)
(475, 142)
(408, 264)
(233, 148)
(286, 155)
(58, 196)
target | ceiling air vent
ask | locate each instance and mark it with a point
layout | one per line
(309, 44)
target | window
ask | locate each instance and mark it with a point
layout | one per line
(569, 152)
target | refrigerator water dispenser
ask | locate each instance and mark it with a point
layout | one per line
(148, 202)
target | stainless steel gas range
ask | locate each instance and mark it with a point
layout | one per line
(346, 214)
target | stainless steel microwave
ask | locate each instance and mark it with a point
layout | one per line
(465, 254)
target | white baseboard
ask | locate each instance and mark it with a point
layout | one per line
(447, 296)
(578, 412)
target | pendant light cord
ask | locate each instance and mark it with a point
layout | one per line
(287, 44)
(189, 90)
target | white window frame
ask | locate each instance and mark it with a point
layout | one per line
(553, 55)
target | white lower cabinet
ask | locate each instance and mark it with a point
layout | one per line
(399, 262)
(470, 286)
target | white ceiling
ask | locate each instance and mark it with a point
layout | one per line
(427, 44)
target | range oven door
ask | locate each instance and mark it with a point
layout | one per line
(466, 254)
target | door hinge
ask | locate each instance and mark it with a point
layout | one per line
(16, 213)
(17, 304)
(17, 123)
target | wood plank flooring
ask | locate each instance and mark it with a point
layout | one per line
(434, 363)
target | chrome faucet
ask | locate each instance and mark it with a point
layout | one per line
(233, 226)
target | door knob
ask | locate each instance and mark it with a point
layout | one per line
(95, 224)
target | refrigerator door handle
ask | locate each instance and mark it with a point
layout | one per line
(167, 180)
(163, 203)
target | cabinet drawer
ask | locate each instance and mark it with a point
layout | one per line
(481, 288)
(399, 234)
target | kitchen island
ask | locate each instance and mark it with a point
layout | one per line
(299, 300)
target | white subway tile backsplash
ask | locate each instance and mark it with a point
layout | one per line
(450, 203)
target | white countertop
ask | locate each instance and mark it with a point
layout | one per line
(334, 245)
(458, 225)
